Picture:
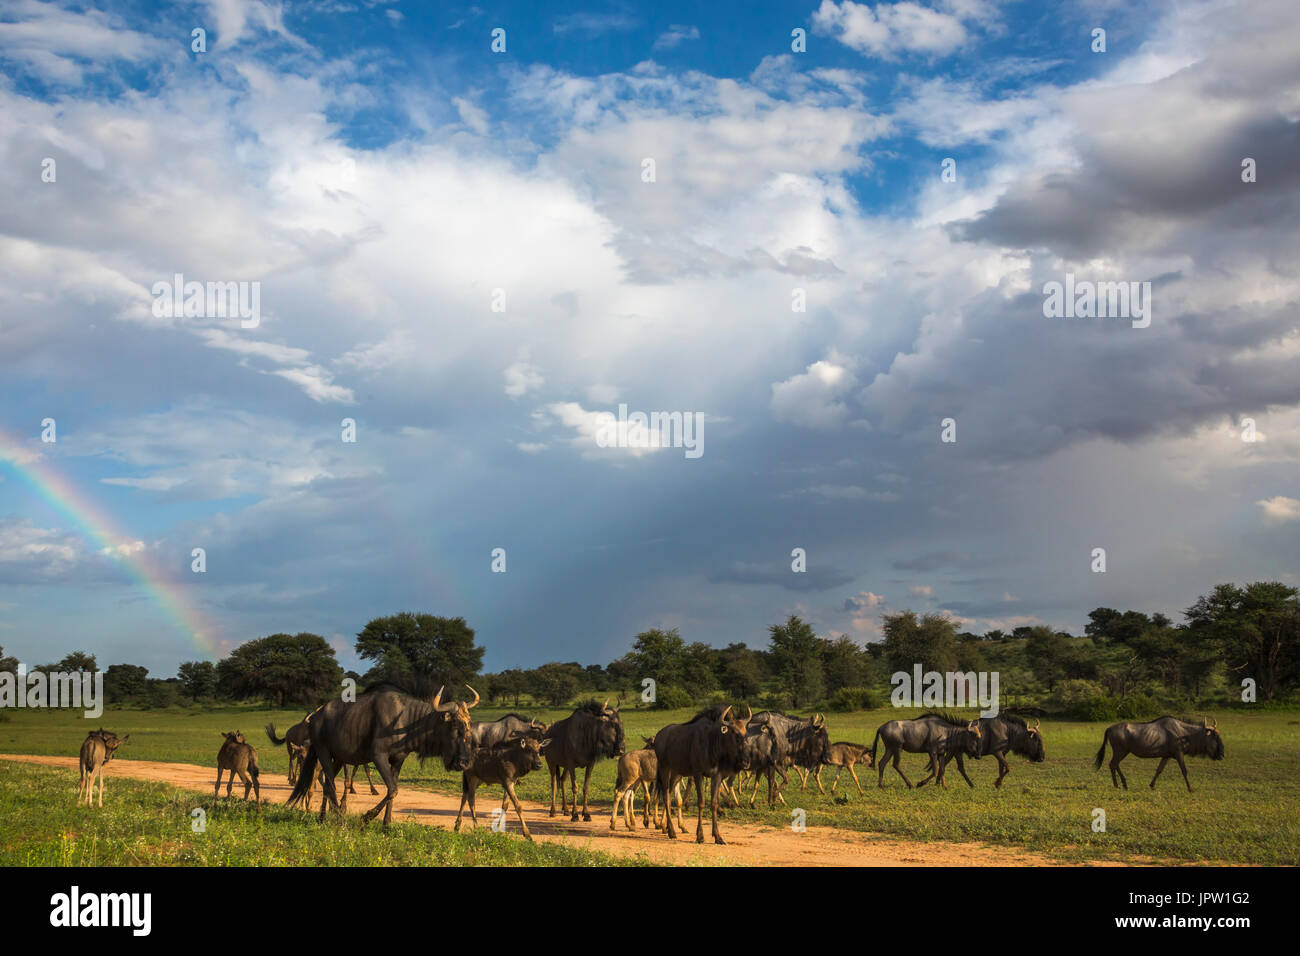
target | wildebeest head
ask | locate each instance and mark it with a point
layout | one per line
(455, 715)
(532, 748)
(1207, 741)
(971, 739)
(1033, 743)
(609, 731)
(649, 742)
(821, 748)
(111, 741)
(234, 737)
(734, 751)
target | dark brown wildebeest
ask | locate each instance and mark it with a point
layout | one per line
(1164, 737)
(295, 741)
(503, 764)
(800, 742)
(96, 750)
(841, 755)
(939, 735)
(591, 732)
(1005, 732)
(239, 758)
(384, 726)
(703, 747)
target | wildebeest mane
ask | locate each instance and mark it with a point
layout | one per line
(592, 707)
(1013, 719)
(947, 718)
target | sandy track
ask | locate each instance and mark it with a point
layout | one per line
(747, 844)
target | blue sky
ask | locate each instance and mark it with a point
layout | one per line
(380, 172)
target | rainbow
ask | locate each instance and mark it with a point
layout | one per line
(39, 476)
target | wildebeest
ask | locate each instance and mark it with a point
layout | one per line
(939, 735)
(295, 741)
(238, 757)
(703, 747)
(636, 768)
(96, 750)
(1003, 733)
(503, 763)
(384, 726)
(591, 732)
(1164, 737)
(489, 733)
(797, 741)
(841, 755)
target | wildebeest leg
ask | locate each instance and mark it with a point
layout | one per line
(803, 778)
(349, 775)
(961, 766)
(510, 792)
(898, 756)
(854, 774)
(230, 782)
(1115, 769)
(586, 779)
(464, 799)
(1177, 756)
(681, 799)
(248, 784)
(216, 791)
(936, 771)
(572, 773)
(1163, 761)
(1004, 768)
(717, 837)
(553, 774)
(370, 780)
(390, 782)
(101, 780)
(699, 806)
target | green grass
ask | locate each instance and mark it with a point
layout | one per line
(151, 824)
(1246, 808)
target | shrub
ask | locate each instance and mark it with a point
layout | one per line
(672, 698)
(853, 698)
(1138, 707)
(1096, 708)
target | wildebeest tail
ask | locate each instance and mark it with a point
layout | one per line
(270, 732)
(1101, 754)
(305, 775)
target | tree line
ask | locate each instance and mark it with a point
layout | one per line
(1125, 663)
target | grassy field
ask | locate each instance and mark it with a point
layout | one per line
(151, 824)
(1246, 808)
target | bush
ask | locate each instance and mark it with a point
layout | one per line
(1138, 707)
(853, 698)
(672, 698)
(1096, 708)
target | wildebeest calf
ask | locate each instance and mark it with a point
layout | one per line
(503, 764)
(1164, 737)
(843, 755)
(96, 750)
(240, 758)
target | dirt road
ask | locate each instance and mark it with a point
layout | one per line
(747, 844)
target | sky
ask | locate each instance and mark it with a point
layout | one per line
(464, 251)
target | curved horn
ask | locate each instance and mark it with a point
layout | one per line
(724, 714)
(476, 698)
(1037, 724)
(605, 706)
(751, 713)
(437, 698)
(1215, 725)
(618, 705)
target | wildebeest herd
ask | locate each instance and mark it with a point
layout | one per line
(386, 724)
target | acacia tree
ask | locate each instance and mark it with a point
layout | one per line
(421, 651)
(300, 669)
(930, 641)
(1256, 629)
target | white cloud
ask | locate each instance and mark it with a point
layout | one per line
(1280, 509)
(890, 28)
(813, 398)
